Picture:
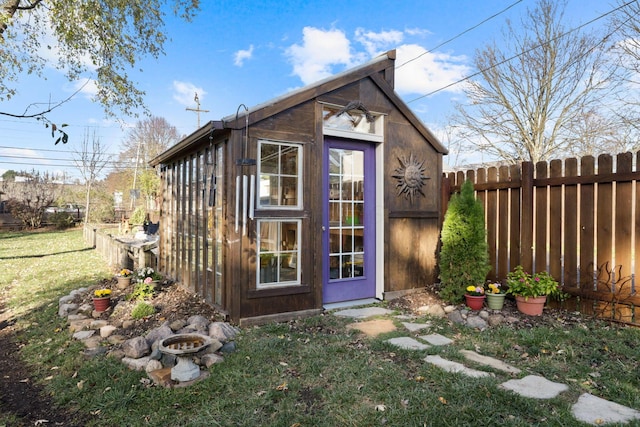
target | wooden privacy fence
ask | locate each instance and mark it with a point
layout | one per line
(577, 219)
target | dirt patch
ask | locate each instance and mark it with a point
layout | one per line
(373, 328)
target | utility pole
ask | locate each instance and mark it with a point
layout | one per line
(197, 109)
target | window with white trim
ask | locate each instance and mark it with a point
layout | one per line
(278, 253)
(279, 171)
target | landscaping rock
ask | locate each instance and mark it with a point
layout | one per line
(158, 334)
(116, 353)
(139, 364)
(198, 322)
(136, 347)
(66, 299)
(228, 347)
(107, 330)
(495, 320)
(153, 365)
(434, 310)
(116, 339)
(222, 331)
(66, 309)
(211, 359)
(456, 317)
(97, 324)
(176, 325)
(476, 322)
(83, 335)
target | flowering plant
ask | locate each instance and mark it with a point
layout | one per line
(102, 293)
(494, 288)
(525, 285)
(475, 291)
(125, 272)
(147, 272)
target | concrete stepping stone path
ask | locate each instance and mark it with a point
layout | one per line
(455, 367)
(535, 387)
(363, 313)
(408, 343)
(436, 339)
(413, 327)
(490, 361)
(596, 411)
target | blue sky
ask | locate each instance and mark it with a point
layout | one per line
(247, 52)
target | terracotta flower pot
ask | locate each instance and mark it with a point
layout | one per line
(101, 304)
(531, 306)
(475, 303)
(124, 282)
(495, 301)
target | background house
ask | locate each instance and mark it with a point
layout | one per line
(328, 194)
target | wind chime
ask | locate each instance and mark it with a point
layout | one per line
(245, 180)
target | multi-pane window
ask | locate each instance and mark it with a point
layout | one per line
(280, 175)
(278, 253)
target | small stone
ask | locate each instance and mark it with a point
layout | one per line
(116, 339)
(511, 319)
(476, 322)
(66, 309)
(79, 325)
(214, 346)
(116, 353)
(97, 324)
(222, 331)
(92, 342)
(168, 359)
(94, 351)
(156, 354)
(66, 299)
(200, 322)
(135, 347)
(484, 314)
(74, 317)
(456, 317)
(107, 330)
(83, 335)
(158, 334)
(153, 365)
(450, 308)
(228, 347)
(176, 325)
(211, 359)
(434, 310)
(136, 364)
(495, 319)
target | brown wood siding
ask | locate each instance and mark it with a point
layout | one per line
(411, 253)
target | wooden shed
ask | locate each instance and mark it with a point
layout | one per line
(328, 194)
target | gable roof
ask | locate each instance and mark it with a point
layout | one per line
(380, 70)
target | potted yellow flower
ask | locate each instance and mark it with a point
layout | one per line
(474, 297)
(101, 299)
(495, 296)
(124, 277)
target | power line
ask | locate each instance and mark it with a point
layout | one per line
(460, 34)
(521, 53)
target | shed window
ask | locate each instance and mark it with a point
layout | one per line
(280, 175)
(278, 252)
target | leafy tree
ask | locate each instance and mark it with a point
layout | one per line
(464, 254)
(9, 175)
(99, 39)
(534, 87)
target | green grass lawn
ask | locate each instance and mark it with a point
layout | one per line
(312, 372)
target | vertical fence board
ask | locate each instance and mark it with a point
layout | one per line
(555, 222)
(514, 221)
(491, 213)
(502, 220)
(526, 230)
(587, 224)
(622, 244)
(604, 236)
(571, 209)
(541, 220)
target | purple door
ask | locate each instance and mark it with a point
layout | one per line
(349, 221)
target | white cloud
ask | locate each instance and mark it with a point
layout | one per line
(428, 72)
(86, 86)
(184, 93)
(320, 52)
(242, 55)
(25, 154)
(375, 42)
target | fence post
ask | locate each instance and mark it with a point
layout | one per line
(445, 195)
(526, 227)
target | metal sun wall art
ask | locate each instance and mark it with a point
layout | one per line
(410, 177)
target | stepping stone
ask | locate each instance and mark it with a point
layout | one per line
(489, 361)
(597, 411)
(375, 327)
(436, 339)
(363, 313)
(408, 343)
(535, 387)
(455, 367)
(416, 326)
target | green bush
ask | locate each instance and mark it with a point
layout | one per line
(142, 309)
(61, 220)
(464, 254)
(138, 215)
(142, 291)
